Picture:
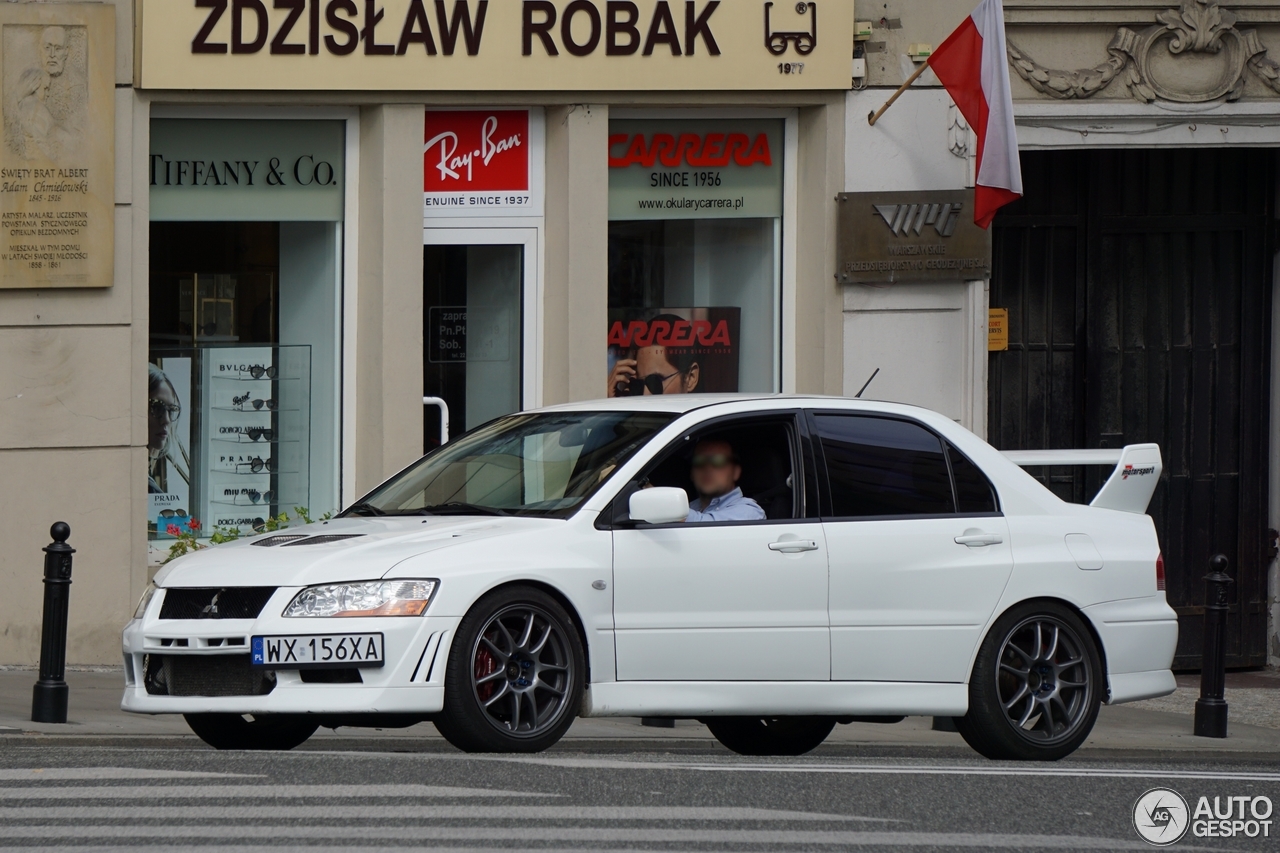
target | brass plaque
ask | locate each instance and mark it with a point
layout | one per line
(57, 158)
(910, 237)
(997, 329)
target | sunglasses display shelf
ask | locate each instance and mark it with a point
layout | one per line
(258, 416)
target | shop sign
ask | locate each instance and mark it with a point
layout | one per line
(477, 45)
(246, 170)
(483, 163)
(695, 169)
(910, 237)
(997, 329)
(57, 159)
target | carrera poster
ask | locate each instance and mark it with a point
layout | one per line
(673, 351)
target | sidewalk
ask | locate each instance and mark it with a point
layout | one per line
(1155, 725)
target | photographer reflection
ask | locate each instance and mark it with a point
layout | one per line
(655, 369)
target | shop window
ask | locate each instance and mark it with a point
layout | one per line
(245, 288)
(695, 239)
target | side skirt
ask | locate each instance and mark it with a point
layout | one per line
(792, 698)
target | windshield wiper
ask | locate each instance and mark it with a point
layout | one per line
(364, 509)
(459, 508)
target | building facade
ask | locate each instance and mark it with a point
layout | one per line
(318, 235)
(1136, 274)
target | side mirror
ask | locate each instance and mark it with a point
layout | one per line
(659, 505)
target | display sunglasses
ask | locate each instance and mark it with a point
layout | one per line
(257, 371)
(258, 464)
(209, 329)
(160, 407)
(270, 404)
(173, 513)
(256, 433)
(257, 496)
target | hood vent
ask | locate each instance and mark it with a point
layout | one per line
(272, 541)
(325, 539)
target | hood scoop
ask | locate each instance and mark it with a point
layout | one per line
(272, 541)
(323, 539)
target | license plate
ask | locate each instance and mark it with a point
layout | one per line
(318, 651)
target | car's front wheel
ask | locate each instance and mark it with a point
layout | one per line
(771, 735)
(1036, 686)
(233, 731)
(515, 673)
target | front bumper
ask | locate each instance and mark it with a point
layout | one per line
(411, 681)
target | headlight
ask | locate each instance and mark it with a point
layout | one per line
(144, 601)
(373, 598)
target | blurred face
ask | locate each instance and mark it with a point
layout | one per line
(161, 413)
(53, 50)
(715, 472)
(652, 361)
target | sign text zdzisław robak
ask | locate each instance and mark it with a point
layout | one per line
(478, 45)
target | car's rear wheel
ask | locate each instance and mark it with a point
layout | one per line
(1036, 686)
(771, 735)
(266, 731)
(514, 678)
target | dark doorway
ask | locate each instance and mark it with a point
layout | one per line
(1138, 285)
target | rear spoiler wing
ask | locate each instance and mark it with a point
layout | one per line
(1131, 484)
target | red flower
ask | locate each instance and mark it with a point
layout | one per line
(173, 530)
(193, 524)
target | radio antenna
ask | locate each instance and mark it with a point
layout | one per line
(864, 387)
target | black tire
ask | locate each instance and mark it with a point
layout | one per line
(266, 732)
(514, 679)
(1036, 686)
(771, 735)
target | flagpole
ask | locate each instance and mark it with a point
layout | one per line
(873, 117)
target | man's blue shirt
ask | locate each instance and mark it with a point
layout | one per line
(728, 507)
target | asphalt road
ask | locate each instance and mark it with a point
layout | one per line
(650, 795)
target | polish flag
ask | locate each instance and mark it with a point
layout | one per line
(972, 64)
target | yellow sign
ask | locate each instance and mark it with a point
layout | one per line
(997, 329)
(503, 45)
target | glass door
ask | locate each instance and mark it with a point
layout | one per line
(476, 284)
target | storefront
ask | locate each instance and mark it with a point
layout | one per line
(345, 230)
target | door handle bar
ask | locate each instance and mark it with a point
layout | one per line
(979, 540)
(793, 546)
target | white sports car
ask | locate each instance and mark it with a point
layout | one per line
(541, 567)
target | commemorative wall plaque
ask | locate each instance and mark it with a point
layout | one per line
(910, 237)
(57, 158)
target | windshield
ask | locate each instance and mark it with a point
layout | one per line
(535, 464)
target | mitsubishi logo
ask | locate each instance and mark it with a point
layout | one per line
(904, 219)
(211, 610)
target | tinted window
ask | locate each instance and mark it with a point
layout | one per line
(973, 490)
(878, 466)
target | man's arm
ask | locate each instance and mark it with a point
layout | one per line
(742, 510)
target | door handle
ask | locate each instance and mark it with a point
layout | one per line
(979, 540)
(793, 546)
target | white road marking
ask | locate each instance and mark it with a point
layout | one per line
(39, 774)
(1038, 770)
(252, 792)
(374, 812)
(770, 837)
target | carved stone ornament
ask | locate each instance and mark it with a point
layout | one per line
(1193, 55)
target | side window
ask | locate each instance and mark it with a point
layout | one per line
(880, 466)
(974, 493)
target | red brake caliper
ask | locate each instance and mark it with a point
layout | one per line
(485, 665)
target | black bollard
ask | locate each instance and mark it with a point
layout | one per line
(1211, 707)
(49, 699)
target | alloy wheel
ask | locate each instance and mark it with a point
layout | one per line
(522, 669)
(1044, 680)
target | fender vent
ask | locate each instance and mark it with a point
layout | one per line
(325, 539)
(272, 541)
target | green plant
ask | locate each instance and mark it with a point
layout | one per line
(188, 541)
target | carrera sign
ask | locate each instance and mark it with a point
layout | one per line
(482, 163)
(504, 45)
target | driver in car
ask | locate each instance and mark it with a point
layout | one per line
(716, 472)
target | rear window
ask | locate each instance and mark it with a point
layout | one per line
(881, 466)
